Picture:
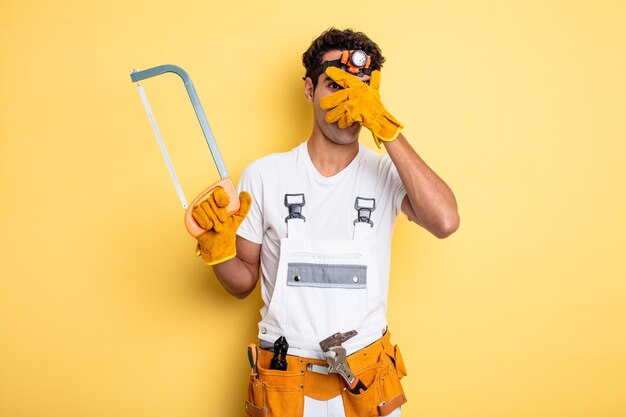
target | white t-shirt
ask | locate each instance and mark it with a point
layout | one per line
(329, 204)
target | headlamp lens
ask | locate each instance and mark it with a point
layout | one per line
(358, 58)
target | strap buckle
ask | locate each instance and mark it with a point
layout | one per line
(364, 208)
(294, 202)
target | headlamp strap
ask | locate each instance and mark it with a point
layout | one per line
(345, 63)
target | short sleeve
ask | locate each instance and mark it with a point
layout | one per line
(252, 226)
(393, 183)
(399, 192)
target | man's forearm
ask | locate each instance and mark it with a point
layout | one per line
(432, 203)
(240, 274)
(236, 277)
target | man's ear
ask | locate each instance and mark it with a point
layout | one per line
(309, 90)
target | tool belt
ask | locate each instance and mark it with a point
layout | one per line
(274, 393)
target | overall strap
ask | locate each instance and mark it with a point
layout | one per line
(295, 220)
(363, 224)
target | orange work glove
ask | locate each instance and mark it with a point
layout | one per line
(359, 102)
(218, 243)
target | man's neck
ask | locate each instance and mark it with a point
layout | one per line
(328, 157)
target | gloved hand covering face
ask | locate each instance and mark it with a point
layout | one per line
(218, 243)
(359, 102)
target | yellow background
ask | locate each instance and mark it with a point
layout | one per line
(520, 106)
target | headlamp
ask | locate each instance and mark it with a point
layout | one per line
(356, 62)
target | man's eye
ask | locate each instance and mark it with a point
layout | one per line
(334, 86)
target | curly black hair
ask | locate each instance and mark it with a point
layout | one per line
(347, 39)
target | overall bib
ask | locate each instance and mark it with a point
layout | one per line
(324, 287)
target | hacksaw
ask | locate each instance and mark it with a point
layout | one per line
(226, 183)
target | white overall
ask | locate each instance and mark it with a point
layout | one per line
(324, 287)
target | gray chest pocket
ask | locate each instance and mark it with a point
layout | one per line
(326, 275)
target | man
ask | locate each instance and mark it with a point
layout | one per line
(317, 222)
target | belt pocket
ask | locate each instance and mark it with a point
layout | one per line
(266, 400)
(255, 405)
(282, 392)
(393, 352)
(399, 362)
(365, 403)
(284, 401)
(392, 391)
(384, 391)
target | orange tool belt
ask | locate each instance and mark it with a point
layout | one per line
(274, 393)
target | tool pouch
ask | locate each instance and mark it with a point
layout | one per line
(275, 393)
(382, 377)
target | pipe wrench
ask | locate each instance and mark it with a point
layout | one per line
(335, 355)
(226, 183)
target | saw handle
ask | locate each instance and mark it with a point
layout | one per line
(193, 227)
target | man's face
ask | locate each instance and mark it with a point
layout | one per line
(326, 86)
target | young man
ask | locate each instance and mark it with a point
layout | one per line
(317, 222)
